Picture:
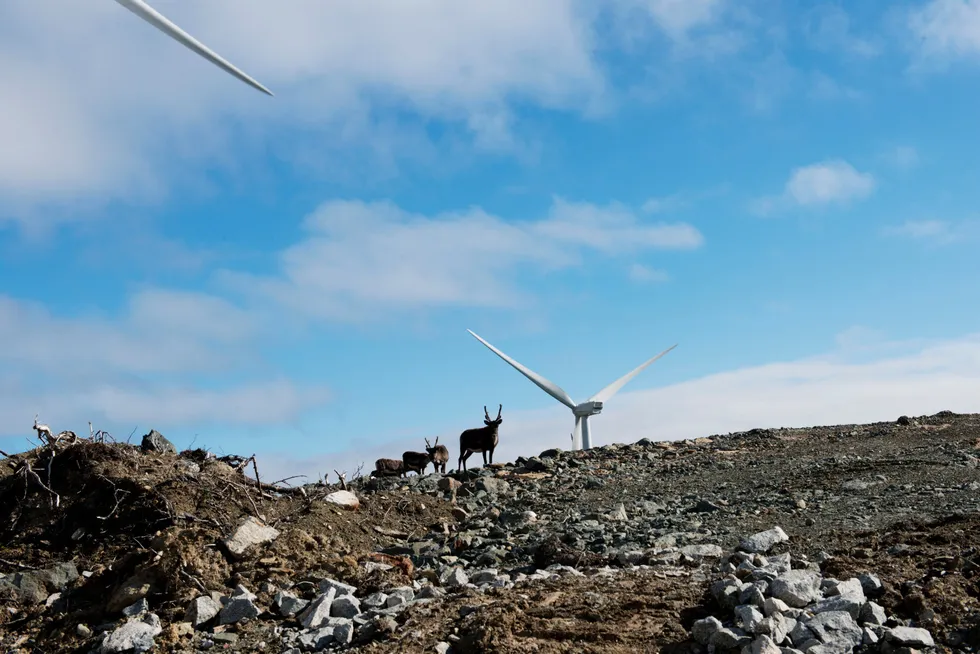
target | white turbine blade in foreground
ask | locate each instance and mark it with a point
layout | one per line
(162, 23)
(548, 387)
(613, 388)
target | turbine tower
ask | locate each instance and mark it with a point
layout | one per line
(162, 23)
(582, 436)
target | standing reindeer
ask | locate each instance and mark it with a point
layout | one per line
(483, 439)
(438, 454)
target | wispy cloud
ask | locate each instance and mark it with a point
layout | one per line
(903, 157)
(360, 260)
(946, 30)
(828, 182)
(828, 29)
(936, 232)
(647, 275)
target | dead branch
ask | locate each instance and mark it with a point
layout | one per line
(115, 494)
(28, 470)
(342, 476)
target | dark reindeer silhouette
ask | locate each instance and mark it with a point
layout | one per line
(438, 454)
(483, 439)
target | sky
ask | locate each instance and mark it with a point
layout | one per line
(787, 191)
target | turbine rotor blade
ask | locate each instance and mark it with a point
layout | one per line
(613, 388)
(548, 387)
(162, 23)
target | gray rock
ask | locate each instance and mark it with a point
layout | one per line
(773, 605)
(318, 612)
(729, 639)
(850, 589)
(835, 626)
(748, 617)
(872, 613)
(776, 627)
(400, 595)
(288, 604)
(442, 647)
(136, 608)
(202, 610)
(339, 588)
(345, 606)
(762, 645)
(910, 637)
(702, 630)
(375, 601)
(251, 531)
(698, 552)
(493, 485)
(430, 592)
(133, 636)
(797, 587)
(453, 578)
(837, 603)
(763, 541)
(237, 609)
(156, 442)
(34, 586)
(871, 584)
(800, 634)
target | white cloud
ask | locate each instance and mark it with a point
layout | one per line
(937, 232)
(947, 29)
(647, 275)
(94, 117)
(162, 361)
(678, 17)
(825, 390)
(360, 259)
(828, 182)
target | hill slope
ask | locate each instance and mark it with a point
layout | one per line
(611, 550)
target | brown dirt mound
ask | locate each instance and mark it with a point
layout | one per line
(148, 524)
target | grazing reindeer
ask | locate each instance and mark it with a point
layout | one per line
(388, 468)
(438, 454)
(483, 439)
(416, 462)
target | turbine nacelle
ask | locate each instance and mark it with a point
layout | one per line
(591, 408)
(581, 437)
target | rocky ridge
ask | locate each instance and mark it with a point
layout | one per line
(664, 512)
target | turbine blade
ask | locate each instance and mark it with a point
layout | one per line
(162, 23)
(613, 388)
(548, 387)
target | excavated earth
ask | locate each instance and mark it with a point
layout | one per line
(610, 550)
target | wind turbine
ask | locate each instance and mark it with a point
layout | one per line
(162, 23)
(582, 437)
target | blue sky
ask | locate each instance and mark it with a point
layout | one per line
(786, 190)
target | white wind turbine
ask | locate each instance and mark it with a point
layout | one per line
(582, 437)
(162, 23)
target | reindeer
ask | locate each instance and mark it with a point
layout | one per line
(438, 454)
(44, 430)
(483, 440)
(416, 461)
(388, 468)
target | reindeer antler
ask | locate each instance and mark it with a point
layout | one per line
(485, 412)
(427, 443)
(500, 410)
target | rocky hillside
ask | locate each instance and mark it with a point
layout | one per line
(854, 538)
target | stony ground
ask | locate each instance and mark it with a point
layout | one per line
(105, 547)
